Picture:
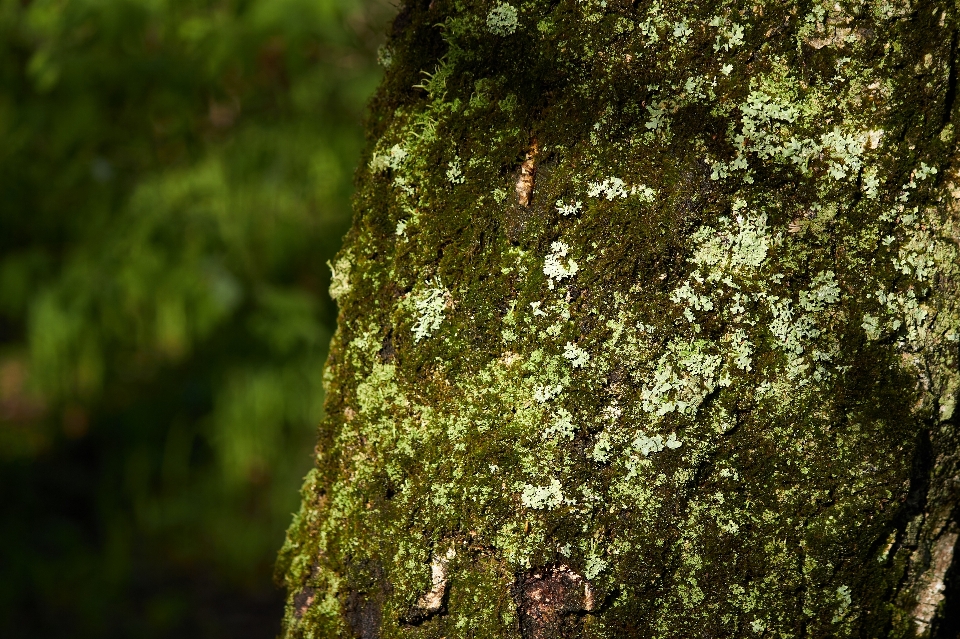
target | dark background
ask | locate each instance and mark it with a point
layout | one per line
(174, 176)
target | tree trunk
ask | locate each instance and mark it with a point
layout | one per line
(649, 328)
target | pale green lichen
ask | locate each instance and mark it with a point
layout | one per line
(339, 277)
(454, 172)
(384, 56)
(392, 158)
(844, 599)
(429, 305)
(644, 193)
(647, 445)
(577, 356)
(542, 497)
(562, 425)
(502, 19)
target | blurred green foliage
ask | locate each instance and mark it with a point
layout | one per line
(173, 177)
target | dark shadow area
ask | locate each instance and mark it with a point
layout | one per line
(174, 178)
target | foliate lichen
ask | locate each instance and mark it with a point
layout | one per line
(502, 19)
(340, 277)
(609, 188)
(557, 266)
(392, 158)
(568, 209)
(454, 172)
(384, 56)
(542, 497)
(429, 305)
(577, 356)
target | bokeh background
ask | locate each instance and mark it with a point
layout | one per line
(174, 175)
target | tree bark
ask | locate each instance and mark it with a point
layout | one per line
(648, 328)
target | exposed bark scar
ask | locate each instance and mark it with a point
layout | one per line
(551, 601)
(363, 609)
(932, 593)
(432, 602)
(302, 601)
(528, 171)
(363, 614)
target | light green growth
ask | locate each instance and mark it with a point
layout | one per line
(502, 19)
(682, 379)
(542, 497)
(644, 193)
(730, 248)
(730, 36)
(392, 158)
(384, 56)
(340, 277)
(562, 425)
(594, 566)
(682, 31)
(429, 305)
(843, 597)
(454, 172)
(577, 356)
(823, 290)
(647, 445)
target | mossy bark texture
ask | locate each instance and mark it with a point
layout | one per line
(649, 328)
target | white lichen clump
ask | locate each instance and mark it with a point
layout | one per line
(562, 426)
(644, 193)
(611, 188)
(648, 445)
(384, 56)
(339, 277)
(554, 267)
(568, 209)
(391, 159)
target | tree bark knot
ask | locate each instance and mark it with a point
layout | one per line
(434, 600)
(528, 171)
(552, 601)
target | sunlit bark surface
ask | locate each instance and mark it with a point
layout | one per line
(649, 328)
